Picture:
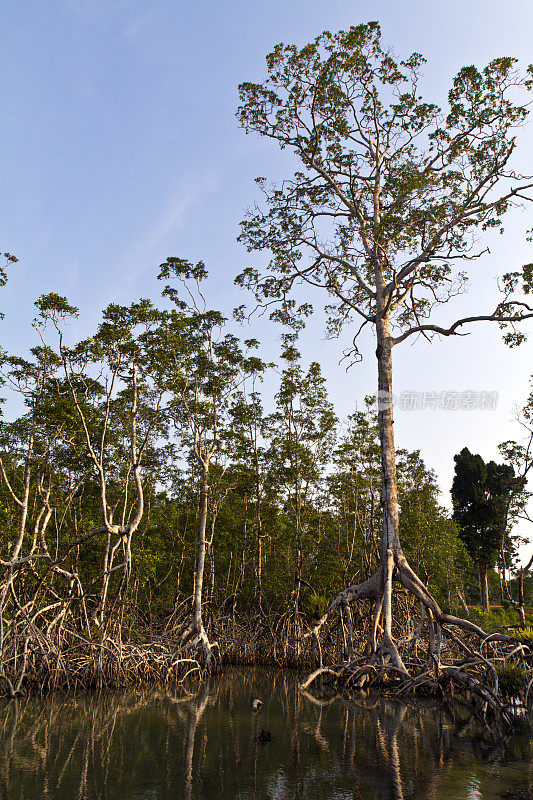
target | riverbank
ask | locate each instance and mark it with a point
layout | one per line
(488, 680)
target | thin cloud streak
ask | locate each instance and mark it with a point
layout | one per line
(169, 221)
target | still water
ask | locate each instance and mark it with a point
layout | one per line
(159, 745)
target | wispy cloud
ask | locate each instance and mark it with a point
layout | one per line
(70, 275)
(139, 23)
(170, 219)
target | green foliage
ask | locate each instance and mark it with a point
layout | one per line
(402, 184)
(481, 494)
(429, 536)
(148, 400)
(497, 618)
(510, 679)
(317, 605)
(525, 635)
(8, 259)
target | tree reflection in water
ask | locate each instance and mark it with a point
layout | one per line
(160, 744)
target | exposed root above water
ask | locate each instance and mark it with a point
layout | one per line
(493, 670)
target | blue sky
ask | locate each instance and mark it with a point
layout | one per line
(120, 148)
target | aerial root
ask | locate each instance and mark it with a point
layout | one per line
(458, 655)
(391, 680)
(193, 640)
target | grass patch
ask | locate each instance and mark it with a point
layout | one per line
(525, 635)
(510, 679)
(498, 617)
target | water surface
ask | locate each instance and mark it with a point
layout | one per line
(158, 745)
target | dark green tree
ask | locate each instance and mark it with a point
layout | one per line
(430, 537)
(481, 494)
